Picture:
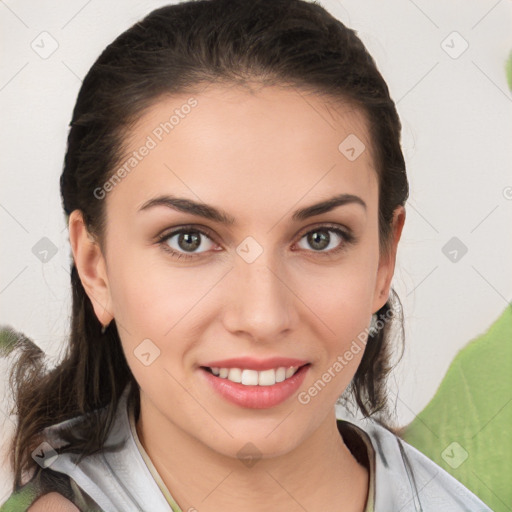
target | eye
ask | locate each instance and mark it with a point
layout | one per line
(190, 242)
(321, 240)
(185, 242)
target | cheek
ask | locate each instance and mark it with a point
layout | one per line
(153, 300)
(148, 304)
(341, 296)
(341, 299)
(150, 295)
(343, 307)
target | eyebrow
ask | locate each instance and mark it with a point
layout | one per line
(215, 214)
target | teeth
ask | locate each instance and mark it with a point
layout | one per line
(235, 375)
(267, 378)
(289, 372)
(255, 378)
(280, 374)
(249, 377)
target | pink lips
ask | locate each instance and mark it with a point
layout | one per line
(256, 397)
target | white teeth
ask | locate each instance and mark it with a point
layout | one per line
(255, 378)
(267, 378)
(235, 375)
(280, 374)
(250, 377)
(290, 371)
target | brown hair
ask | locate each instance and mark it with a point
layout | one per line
(173, 50)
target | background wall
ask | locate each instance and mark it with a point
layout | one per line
(444, 64)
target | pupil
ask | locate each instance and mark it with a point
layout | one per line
(191, 241)
(318, 238)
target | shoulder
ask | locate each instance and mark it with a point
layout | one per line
(53, 502)
(50, 491)
(405, 478)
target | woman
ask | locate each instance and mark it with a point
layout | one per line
(235, 192)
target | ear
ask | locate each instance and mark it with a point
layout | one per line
(91, 267)
(387, 262)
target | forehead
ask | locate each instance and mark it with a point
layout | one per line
(274, 147)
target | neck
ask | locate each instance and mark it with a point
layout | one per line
(321, 474)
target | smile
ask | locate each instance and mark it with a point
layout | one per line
(249, 377)
(255, 384)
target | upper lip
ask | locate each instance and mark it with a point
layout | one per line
(251, 363)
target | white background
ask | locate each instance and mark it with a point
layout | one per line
(457, 127)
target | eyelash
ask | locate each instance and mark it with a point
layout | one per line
(348, 237)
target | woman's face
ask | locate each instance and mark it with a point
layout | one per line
(218, 262)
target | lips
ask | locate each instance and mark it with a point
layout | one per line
(253, 383)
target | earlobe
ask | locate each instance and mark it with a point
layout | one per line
(90, 264)
(387, 266)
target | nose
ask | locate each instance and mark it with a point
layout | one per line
(261, 303)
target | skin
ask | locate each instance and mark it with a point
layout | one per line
(52, 502)
(258, 155)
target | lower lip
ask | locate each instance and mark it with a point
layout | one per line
(256, 397)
